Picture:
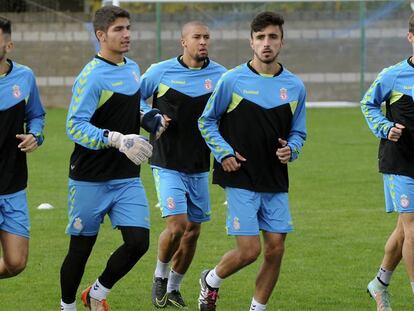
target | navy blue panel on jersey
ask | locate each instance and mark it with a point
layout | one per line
(21, 112)
(181, 93)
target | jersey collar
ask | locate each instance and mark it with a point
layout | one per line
(254, 70)
(107, 61)
(410, 62)
(9, 70)
(180, 60)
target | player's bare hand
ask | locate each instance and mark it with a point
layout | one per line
(165, 121)
(232, 164)
(28, 142)
(396, 132)
(284, 153)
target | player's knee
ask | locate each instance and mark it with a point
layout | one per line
(176, 230)
(192, 234)
(80, 247)
(409, 235)
(399, 233)
(137, 244)
(15, 266)
(397, 238)
(250, 255)
(276, 251)
(137, 250)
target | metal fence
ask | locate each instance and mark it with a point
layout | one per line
(336, 47)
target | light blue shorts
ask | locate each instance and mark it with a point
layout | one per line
(14, 214)
(248, 212)
(124, 201)
(181, 193)
(399, 193)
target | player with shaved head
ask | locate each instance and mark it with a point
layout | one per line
(180, 88)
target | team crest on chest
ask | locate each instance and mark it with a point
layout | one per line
(135, 76)
(16, 91)
(283, 93)
(208, 84)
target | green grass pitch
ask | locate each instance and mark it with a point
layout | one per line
(337, 207)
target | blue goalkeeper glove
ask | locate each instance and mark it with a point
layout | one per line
(153, 122)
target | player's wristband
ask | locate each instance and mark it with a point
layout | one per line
(105, 136)
(227, 156)
(38, 138)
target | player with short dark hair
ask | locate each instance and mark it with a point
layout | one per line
(104, 122)
(394, 86)
(261, 21)
(180, 162)
(254, 124)
(21, 124)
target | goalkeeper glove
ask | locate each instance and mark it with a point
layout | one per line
(153, 122)
(135, 147)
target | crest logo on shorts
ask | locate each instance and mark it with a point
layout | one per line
(78, 224)
(170, 203)
(208, 84)
(283, 93)
(404, 201)
(16, 91)
(236, 223)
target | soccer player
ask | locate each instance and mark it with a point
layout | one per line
(254, 123)
(394, 86)
(21, 125)
(180, 162)
(103, 121)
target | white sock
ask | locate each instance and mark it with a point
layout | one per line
(257, 306)
(384, 276)
(161, 270)
(213, 280)
(174, 281)
(67, 306)
(98, 291)
(412, 286)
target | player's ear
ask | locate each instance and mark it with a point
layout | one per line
(251, 42)
(410, 37)
(183, 43)
(100, 35)
(9, 46)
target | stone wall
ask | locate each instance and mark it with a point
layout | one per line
(325, 55)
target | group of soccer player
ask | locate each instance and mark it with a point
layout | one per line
(197, 107)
